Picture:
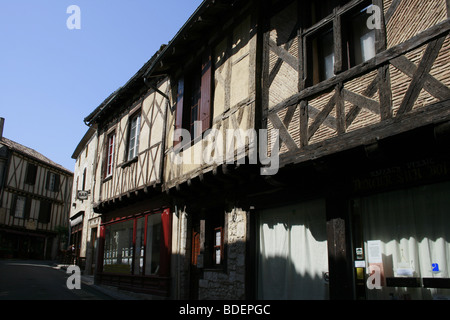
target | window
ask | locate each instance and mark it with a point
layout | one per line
(118, 254)
(215, 240)
(337, 37)
(30, 177)
(21, 207)
(133, 137)
(218, 246)
(52, 182)
(45, 210)
(138, 246)
(360, 44)
(110, 154)
(153, 248)
(194, 100)
(321, 53)
(84, 179)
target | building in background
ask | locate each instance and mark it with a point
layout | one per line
(34, 202)
(84, 223)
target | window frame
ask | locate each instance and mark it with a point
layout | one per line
(163, 268)
(31, 174)
(110, 154)
(52, 181)
(219, 246)
(337, 20)
(45, 211)
(25, 214)
(132, 150)
(194, 83)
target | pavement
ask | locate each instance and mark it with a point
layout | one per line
(113, 292)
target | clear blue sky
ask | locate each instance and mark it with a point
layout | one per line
(52, 77)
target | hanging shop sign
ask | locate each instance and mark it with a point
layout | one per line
(82, 194)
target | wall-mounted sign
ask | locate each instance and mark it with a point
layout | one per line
(82, 195)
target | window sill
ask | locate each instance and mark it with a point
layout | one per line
(106, 179)
(129, 162)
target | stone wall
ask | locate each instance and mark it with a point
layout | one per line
(230, 282)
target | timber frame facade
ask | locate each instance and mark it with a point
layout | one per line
(34, 203)
(359, 92)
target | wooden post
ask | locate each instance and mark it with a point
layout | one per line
(339, 263)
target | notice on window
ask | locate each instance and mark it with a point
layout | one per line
(375, 260)
(374, 251)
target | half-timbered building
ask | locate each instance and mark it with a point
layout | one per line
(135, 232)
(346, 103)
(34, 202)
(84, 222)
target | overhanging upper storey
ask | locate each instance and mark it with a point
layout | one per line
(339, 74)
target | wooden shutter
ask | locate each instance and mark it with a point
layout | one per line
(47, 181)
(31, 174)
(205, 101)
(27, 209)
(179, 109)
(57, 182)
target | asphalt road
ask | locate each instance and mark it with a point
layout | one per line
(40, 280)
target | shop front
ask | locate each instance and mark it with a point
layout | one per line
(401, 231)
(292, 252)
(135, 252)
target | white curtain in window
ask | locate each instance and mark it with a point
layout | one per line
(293, 252)
(413, 226)
(367, 42)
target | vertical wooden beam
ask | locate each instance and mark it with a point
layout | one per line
(380, 34)
(385, 92)
(339, 249)
(340, 110)
(301, 61)
(262, 66)
(337, 35)
(448, 8)
(303, 123)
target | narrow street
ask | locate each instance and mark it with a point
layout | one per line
(40, 280)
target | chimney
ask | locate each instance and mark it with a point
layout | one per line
(2, 123)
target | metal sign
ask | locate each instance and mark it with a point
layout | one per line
(82, 195)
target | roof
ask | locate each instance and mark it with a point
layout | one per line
(207, 14)
(31, 153)
(84, 141)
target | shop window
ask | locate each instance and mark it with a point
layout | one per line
(194, 100)
(153, 247)
(133, 136)
(136, 246)
(118, 252)
(140, 246)
(406, 237)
